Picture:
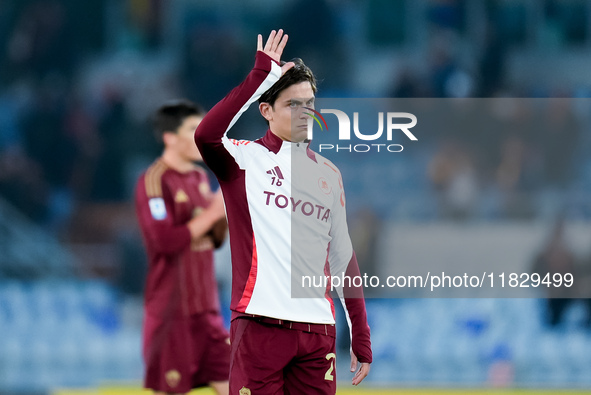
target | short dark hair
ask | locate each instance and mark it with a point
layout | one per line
(171, 115)
(298, 73)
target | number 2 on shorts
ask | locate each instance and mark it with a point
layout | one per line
(328, 376)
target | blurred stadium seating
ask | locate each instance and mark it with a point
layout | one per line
(78, 81)
(64, 333)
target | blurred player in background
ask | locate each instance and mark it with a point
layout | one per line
(185, 343)
(282, 344)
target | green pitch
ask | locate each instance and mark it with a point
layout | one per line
(344, 389)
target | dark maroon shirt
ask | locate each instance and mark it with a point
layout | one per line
(181, 279)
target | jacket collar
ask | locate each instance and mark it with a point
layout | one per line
(273, 143)
(270, 141)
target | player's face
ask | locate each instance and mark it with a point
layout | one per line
(288, 118)
(184, 139)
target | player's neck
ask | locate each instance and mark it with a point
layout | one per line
(177, 163)
(286, 137)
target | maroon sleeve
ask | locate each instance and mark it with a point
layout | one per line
(161, 236)
(219, 119)
(355, 304)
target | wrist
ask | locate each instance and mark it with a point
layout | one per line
(264, 61)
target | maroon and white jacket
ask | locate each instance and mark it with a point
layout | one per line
(286, 215)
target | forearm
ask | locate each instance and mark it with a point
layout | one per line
(202, 224)
(355, 307)
(225, 113)
(166, 239)
(211, 131)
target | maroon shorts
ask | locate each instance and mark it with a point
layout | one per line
(185, 353)
(269, 359)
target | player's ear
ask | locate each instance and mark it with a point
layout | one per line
(168, 138)
(265, 109)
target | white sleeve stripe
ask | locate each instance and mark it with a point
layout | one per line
(347, 317)
(272, 77)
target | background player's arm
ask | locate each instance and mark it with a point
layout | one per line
(217, 151)
(203, 224)
(156, 222)
(218, 232)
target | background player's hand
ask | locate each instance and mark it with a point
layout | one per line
(361, 373)
(219, 229)
(202, 223)
(274, 47)
(216, 207)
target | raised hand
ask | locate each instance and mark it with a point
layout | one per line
(274, 47)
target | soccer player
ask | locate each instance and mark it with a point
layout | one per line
(185, 343)
(281, 344)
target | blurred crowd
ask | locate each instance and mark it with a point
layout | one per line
(501, 158)
(58, 148)
(62, 145)
(79, 80)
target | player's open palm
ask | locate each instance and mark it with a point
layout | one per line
(274, 47)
